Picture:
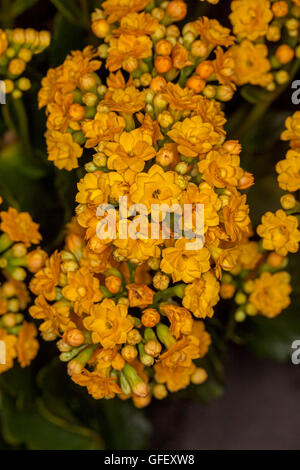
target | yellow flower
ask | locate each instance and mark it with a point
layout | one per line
(127, 100)
(251, 63)
(20, 227)
(126, 51)
(292, 131)
(279, 232)
(249, 255)
(221, 169)
(56, 317)
(271, 293)
(212, 32)
(131, 152)
(10, 350)
(3, 42)
(93, 189)
(181, 353)
(178, 98)
(46, 280)
(118, 9)
(83, 290)
(155, 187)
(139, 295)
(138, 250)
(104, 127)
(109, 323)
(202, 295)
(62, 150)
(203, 336)
(289, 171)
(27, 345)
(224, 67)
(250, 18)
(180, 318)
(176, 378)
(137, 24)
(98, 385)
(194, 136)
(235, 215)
(183, 264)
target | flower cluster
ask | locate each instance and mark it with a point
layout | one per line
(128, 311)
(268, 40)
(18, 259)
(17, 47)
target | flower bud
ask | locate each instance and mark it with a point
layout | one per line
(159, 391)
(177, 10)
(129, 353)
(16, 66)
(280, 9)
(163, 47)
(196, 83)
(227, 291)
(199, 376)
(163, 64)
(288, 201)
(153, 348)
(150, 317)
(74, 337)
(161, 281)
(199, 49)
(205, 69)
(284, 54)
(134, 337)
(251, 309)
(100, 28)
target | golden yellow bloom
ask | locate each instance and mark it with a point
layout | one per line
(289, 171)
(183, 264)
(3, 42)
(125, 51)
(194, 136)
(128, 100)
(62, 150)
(279, 232)
(250, 18)
(93, 189)
(180, 318)
(104, 127)
(292, 131)
(109, 323)
(181, 353)
(118, 9)
(179, 99)
(155, 187)
(251, 63)
(27, 345)
(271, 293)
(56, 317)
(236, 216)
(20, 227)
(138, 250)
(10, 350)
(202, 295)
(138, 24)
(139, 295)
(83, 290)
(180, 57)
(131, 151)
(202, 335)
(249, 255)
(213, 33)
(221, 169)
(98, 385)
(224, 67)
(176, 378)
(46, 280)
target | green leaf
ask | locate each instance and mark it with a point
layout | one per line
(69, 10)
(19, 6)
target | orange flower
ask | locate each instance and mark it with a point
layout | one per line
(97, 384)
(27, 345)
(180, 318)
(194, 136)
(176, 378)
(20, 227)
(56, 317)
(83, 290)
(183, 264)
(279, 232)
(128, 100)
(46, 280)
(221, 169)
(117, 9)
(104, 127)
(236, 216)
(213, 33)
(139, 295)
(292, 132)
(251, 63)
(126, 50)
(179, 99)
(109, 323)
(250, 18)
(180, 56)
(62, 150)
(137, 24)
(271, 293)
(289, 171)
(202, 295)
